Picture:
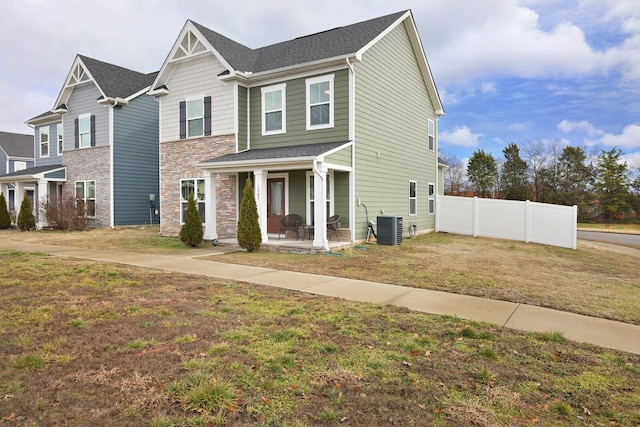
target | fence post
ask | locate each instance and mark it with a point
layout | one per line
(575, 227)
(527, 221)
(475, 216)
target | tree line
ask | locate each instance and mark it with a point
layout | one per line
(601, 184)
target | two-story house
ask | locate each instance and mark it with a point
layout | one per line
(324, 124)
(100, 144)
(16, 154)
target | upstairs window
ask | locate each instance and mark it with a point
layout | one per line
(85, 126)
(44, 141)
(413, 198)
(195, 117)
(431, 134)
(86, 198)
(320, 102)
(19, 166)
(60, 138)
(274, 116)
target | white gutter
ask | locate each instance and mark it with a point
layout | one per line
(352, 137)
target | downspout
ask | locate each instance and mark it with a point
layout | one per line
(111, 169)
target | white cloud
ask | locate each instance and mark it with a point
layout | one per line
(461, 136)
(628, 139)
(521, 125)
(582, 126)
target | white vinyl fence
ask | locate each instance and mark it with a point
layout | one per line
(544, 223)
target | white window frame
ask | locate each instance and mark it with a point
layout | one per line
(431, 200)
(282, 88)
(85, 198)
(19, 165)
(60, 136)
(44, 131)
(201, 199)
(413, 199)
(431, 135)
(80, 133)
(311, 200)
(189, 119)
(309, 83)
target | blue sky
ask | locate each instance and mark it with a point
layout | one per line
(507, 70)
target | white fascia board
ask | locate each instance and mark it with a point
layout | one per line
(135, 95)
(335, 150)
(52, 118)
(382, 34)
(289, 73)
(271, 164)
(65, 93)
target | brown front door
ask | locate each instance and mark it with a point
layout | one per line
(275, 204)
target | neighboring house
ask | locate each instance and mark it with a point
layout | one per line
(99, 143)
(323, 124)
(16, 154)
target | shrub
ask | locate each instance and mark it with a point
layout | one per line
(63, 214)
(26, 220)
(5, 219)
(191, 232)
(249, 234)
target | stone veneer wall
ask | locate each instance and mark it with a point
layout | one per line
(178, 160)
(91, 164)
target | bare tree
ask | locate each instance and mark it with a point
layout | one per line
(455, 175)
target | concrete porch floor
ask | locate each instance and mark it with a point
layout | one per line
(290, 244)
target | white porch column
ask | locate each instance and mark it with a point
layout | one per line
(260, 193)
(41, 202)
(320, 206)
(210, 214)
(19, 195)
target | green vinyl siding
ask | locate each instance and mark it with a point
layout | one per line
(295, 105)
(297, 193)
(341, 197)
(342, 157)
(392, 108)
(243, 140)
(135, 160)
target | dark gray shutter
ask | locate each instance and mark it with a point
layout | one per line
(93, 130)
(207, 115)
(77, 133)
(183, 120)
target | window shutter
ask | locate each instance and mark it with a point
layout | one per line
(93, 130)
(207, 115)
(183, 120)
(77, 133)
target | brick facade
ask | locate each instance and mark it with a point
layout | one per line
(178, 160)
(91, 164)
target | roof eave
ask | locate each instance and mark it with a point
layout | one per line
(279, 163)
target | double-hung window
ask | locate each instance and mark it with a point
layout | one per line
(432, 199)
(86, 198)
(431, 134)
(320, 102)
(413, 198)
(44, 141)
(274, 115)
(195, 117)
(60, 138)
(84, 131)
(193, 187)
(19, 166)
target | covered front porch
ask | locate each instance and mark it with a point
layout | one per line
(312, 183)
(38, 183)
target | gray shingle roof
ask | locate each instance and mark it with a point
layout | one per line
(117, 81)
(32, 171)
(17, 144)
(327, 44)
(296, 151)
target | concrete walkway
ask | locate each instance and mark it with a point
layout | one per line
(601, 332)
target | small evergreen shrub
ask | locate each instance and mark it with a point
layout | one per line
(26, 220)
(249, 234)
(5, 218)
(191, 232)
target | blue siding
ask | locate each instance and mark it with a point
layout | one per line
(136, 160)
(53, 158)
(83, 100)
